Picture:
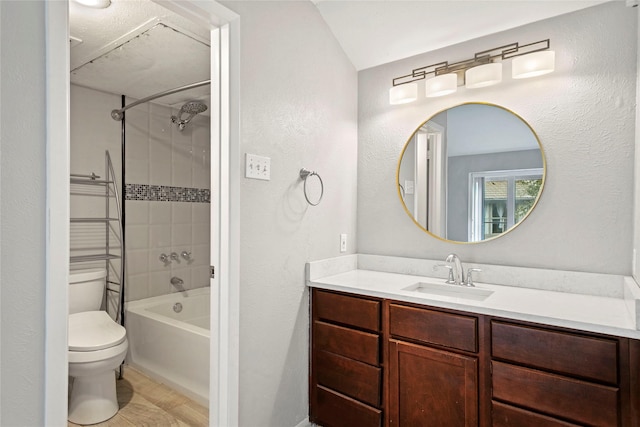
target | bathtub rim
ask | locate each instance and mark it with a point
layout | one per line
(140, 308)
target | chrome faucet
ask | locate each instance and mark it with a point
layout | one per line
(456, 268)
(177, 282)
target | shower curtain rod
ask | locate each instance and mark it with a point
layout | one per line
(118, 114)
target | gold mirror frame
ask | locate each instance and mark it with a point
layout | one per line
(514, 226)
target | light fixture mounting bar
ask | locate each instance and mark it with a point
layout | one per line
(484, 57)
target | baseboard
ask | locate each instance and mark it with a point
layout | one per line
(305, 423)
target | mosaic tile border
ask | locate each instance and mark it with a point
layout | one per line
(163, 193)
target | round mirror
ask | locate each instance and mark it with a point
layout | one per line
(471, 173)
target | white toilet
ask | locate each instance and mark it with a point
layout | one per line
(97, 346)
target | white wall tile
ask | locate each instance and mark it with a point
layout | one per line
(137, 261)
(181, 165)
(159, 283)
(200, 276)
(200, 234)
(137, 143)
(137, 212)
(200, 213)
(200, 255)
(159, 152)
(159, 213)
(137, 287)
(159, 236)
(180, 235)
(137, 237)
(181, 213)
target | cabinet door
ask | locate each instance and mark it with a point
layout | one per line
(430, 387)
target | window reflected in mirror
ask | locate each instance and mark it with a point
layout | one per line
(471, 173)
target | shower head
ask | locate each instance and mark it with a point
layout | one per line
(191, 108)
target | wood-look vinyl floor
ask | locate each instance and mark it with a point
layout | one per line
(145, 402)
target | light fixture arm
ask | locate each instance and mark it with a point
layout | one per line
(484, 57)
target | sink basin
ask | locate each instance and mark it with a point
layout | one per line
(449, 290)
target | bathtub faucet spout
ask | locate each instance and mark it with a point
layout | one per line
(177, 282)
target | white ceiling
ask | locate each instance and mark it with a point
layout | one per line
(377, 32)
(113, 49)
(138, 48)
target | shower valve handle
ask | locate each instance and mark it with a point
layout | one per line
(164, 258)
(186, 255)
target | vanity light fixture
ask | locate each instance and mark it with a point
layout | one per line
(533, 64)
(484, 69)
(403, 94)
(441, 85)
(96, 4)
(483, 75)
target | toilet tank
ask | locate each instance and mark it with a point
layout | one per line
(86, 290)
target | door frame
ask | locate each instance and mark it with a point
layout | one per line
(224, 355)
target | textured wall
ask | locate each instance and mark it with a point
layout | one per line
(298, 106)
(22, 213)
(636, 206)
(584, 116)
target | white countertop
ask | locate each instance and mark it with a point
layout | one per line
(595, 313)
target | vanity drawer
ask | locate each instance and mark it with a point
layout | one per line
(357, 345)
(353, 311)
(571, 354)
(509, 416)
(355, 379)
(551, 394)
(434, 327)
(337, 410)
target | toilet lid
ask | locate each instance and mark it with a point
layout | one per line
(94, 330)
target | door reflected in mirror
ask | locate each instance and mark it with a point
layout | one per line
(471, 173)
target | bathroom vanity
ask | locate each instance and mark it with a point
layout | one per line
(381, 356)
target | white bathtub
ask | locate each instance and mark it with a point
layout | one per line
(170, 346)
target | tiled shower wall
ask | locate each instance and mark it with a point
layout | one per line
(167, 201)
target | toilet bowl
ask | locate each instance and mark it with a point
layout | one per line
(97, 346)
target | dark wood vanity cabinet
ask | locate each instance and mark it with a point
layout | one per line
(433, 368)
(449, 368)
(346, 374)
(565, 377)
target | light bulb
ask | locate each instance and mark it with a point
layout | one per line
(441, 85)
(403, 94)
(483, 75)
(96, 4)
(533, 64)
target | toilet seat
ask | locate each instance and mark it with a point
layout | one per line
(91, 331)
(98, 355)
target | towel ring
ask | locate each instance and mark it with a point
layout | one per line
(304, 174)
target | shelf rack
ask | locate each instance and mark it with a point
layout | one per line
(113, 230)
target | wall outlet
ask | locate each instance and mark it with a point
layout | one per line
(343, 243)
(257, 167)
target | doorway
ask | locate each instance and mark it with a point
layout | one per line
(223, 25)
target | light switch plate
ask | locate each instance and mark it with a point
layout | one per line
(343, 243)
(257, 167)
(408, 187)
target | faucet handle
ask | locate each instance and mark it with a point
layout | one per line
(175, 257)
(450, 279)
(165, 259)
(186, 255)
(470, 276)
